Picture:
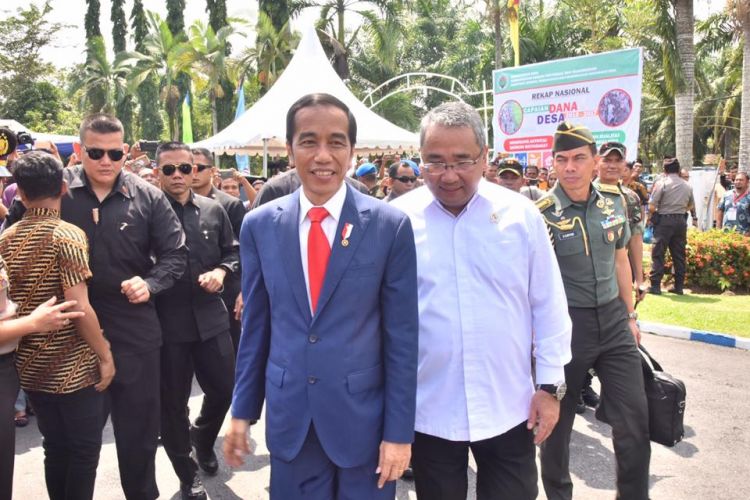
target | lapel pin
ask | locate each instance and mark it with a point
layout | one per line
(345, 234)
(494, 217)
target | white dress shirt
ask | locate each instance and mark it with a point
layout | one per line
(334, 205)
(487, 279)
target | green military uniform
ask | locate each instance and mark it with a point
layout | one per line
(586, 237)
(639, 189)
(632, 204)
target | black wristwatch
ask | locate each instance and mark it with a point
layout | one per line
(558, 390)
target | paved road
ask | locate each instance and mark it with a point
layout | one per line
(711, 463)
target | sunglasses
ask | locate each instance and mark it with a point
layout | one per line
(405, 179)
(202, 167)
(184, 168)
(98, 153)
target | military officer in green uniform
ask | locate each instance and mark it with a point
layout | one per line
(588, 227)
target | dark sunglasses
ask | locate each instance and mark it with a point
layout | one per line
(202, 167)
(98, 153)
(405, 179)
(184, 168)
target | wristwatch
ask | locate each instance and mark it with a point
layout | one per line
(558, 390)
(633, 315)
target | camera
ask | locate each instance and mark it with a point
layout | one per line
(148, 146)
(23, 138)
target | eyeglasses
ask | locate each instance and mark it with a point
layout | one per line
(202, 167)
(440, 167)
(184, 168)
(98, 153)
(405, 179)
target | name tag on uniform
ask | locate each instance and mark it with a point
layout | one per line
(568, 235)
(732, 214)
(612, 221)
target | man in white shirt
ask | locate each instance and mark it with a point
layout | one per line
(475, 389)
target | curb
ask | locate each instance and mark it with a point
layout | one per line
(681, 332)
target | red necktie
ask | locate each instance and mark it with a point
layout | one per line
(318, 252)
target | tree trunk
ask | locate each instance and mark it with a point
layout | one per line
(744, 156)
(214, 116)
(497, 20)
(683, 100)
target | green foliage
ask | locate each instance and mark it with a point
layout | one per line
(36, 103)
(175, 16)
(139, 23)
(149, 110)
(717, 260)
(276, 10)
(119, 26)
(217, 13)
(91, 22)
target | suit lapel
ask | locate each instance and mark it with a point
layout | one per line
(287, 222)
(341, 255)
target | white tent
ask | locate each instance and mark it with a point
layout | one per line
(309, 71)
(64, 143)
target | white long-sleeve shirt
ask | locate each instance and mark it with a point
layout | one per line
(489, 290)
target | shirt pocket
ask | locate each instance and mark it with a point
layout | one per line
(612, 234)
(569, 242)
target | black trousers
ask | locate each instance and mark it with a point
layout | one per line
(212, 361)
(602, 340)
(8, 395)
(71, 426)
(229, 296)
(506, 466)
(670, 233)
(133, 400)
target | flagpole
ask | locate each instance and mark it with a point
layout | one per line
(265, 158)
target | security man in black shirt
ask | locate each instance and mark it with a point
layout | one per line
(202, 185)
(137, 250)
(195, 323)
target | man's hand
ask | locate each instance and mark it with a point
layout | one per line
(48, 317)
(543, 414)
(106, 372)
(237, 442)
(393, 461)
(212, 281)
(635, 331)
(238, 305)
(136, 290)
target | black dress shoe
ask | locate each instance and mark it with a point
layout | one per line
(654, 290)
(676, 291)
(590, 397)
(206, 459)
(408, 474)
(194, 491)
(580, 407)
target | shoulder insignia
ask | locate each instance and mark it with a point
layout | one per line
(544, 203)
(607, 188)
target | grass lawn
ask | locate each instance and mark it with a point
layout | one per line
(714, 313)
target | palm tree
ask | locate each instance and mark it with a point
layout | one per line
(684, 96)
(740, 10)
(385, 31)
(104, 83)
(163, 56)
(271, 54)
(205, 53)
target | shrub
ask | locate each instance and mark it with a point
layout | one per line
(717, 260)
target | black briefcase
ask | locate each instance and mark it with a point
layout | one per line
(666, 402)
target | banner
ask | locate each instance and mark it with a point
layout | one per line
(187, 123)
(600, 91)
(243, 161)
(514, 29)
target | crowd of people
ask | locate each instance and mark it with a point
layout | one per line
(352, 300)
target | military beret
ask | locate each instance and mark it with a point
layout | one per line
(366, 169)
(510, 165)
(569, 136)
(8, 141)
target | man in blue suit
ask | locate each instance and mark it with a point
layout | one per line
(329, 329)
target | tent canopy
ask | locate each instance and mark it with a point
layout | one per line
(309, 71)
(64, 143)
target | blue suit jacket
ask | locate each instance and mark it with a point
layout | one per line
(352, 368)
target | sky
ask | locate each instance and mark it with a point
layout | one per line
(70, 42)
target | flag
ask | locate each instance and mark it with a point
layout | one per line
(187, 124)
(514, 30)
(243, 162)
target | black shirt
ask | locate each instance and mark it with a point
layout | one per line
(132, 232)
(187, 312)
(234, 208)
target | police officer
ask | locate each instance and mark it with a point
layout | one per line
(589, 229)
(195, 324)
(671, 199)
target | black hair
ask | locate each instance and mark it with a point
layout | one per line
(39, 175)
(202, 151)
(320, 99)
(630, 164)
(100, 123)
(172, 146)
(393, 168)
(673, 167)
